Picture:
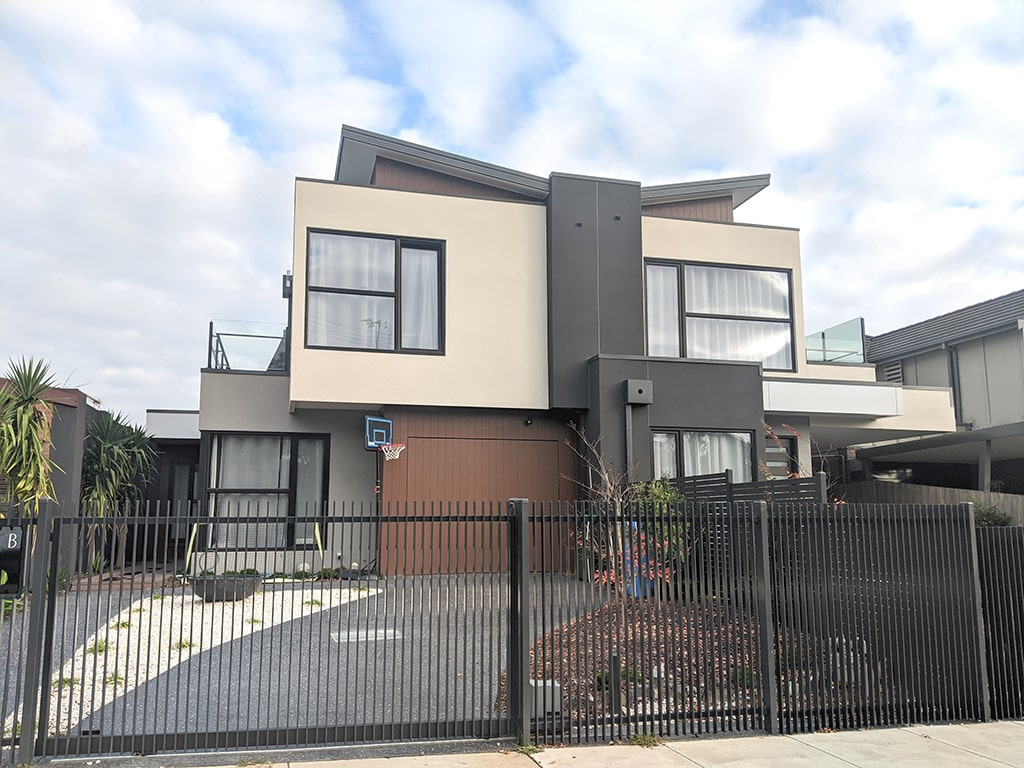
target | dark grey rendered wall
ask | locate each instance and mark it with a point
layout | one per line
(688, 395)
(68, 436)
(596, 331)
(595, 280)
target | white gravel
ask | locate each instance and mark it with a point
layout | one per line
(133, 648)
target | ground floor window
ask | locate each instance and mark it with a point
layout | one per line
(780, 457)
(281, 477)
(682, 453)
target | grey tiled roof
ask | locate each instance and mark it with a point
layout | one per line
(960, 324)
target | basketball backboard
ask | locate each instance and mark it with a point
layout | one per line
(378, 432)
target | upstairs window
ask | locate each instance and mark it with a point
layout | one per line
(374, 292)
(719, 313)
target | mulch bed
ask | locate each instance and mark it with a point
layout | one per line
(674, 656)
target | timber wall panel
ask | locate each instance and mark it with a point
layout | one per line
(711, 209)
(475, 461)
(392, 174)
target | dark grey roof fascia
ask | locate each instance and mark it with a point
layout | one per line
(740, 188)
(602, 179)
(360, 147)
(984, 318)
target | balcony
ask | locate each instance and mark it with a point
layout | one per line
(841, 344)
(250, 347)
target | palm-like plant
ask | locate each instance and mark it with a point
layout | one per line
(118, 461)
(25, 434)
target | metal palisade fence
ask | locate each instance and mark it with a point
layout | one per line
(166, 631)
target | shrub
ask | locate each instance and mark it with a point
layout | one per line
(987, 515)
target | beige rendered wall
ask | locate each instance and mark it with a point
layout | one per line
(495, 318)
(740, 244)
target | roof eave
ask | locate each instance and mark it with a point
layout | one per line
(359, 149)
(739, 188)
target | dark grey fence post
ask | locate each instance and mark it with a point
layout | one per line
(822, 489)
(967, 509)
(519, 703)
(765, 617)
(31, 728)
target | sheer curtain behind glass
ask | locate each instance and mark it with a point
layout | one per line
(419, 299)
(713, 339)
(309, 488)
(665, 460)
(748, 293)
(662, 311)
(706, 453)
(351, 263)
(250, 463)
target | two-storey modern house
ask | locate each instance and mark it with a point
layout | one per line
(486, 312)
(977, 352)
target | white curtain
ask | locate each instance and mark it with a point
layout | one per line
(665, 463)
(309, 488)
(272, 534)
(715, 339)
(419, 299)
(744, 292)
(706, 453)
(355, 263)
(350, 320)
(246, 463)
(662, 311)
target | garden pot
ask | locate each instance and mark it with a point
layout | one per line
(223, 587)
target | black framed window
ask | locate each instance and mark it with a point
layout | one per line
(780, 457)
(374, 292)
(713, 312)
(274, 476)
(685, 453)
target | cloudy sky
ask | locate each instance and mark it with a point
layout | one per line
(148, 149)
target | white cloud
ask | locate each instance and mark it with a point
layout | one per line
(149, 149)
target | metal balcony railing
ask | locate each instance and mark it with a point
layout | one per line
(247, 346)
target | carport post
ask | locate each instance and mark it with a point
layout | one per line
(519, 620)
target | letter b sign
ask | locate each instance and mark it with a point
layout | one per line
(11, 558)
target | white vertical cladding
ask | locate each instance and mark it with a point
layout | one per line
(740, 244)
(495, 299)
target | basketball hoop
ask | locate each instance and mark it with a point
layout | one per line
(391, 451)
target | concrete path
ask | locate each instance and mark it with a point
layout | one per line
(933, 746)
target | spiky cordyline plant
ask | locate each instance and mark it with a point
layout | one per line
(119, 459)
(25, 434)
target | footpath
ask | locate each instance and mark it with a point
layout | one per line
(927, 746)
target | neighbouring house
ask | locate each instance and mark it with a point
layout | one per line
(978, 354)
(69, 421)
(480, 313)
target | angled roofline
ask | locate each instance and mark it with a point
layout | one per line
(359, 150)
(739, 188)
(986, 317)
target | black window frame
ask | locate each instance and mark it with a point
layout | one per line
(787, 448)
(678, 433)
(210, 492)
(680, 267)
(400, 242)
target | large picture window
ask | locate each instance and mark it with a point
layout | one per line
(373, 292)
(280, 477)
(719, 313)
(679, 453)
